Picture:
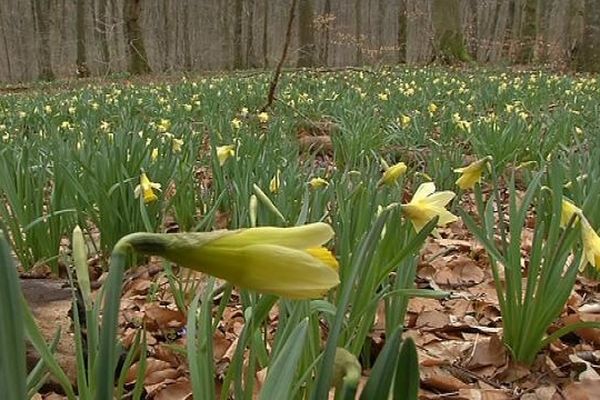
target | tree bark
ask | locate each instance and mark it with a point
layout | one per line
(401, 34)
(238, 62)
(81, 61)
(101, 34)
(42, 15)
(138, 60)
(306, 54)
(250, 56)
(358, 31)
(588, 52)
(265, 37)
(449, 42)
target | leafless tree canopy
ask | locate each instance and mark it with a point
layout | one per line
(42, 39)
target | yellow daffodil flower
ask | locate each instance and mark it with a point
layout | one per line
(154, 154)
(591, 244)
(383, 96)
(426, 205)
(176, 145)
(224, 152)
(432, 108)
(391, 174)
(405, 120)
(263, 117)
(236, 123)
(318, 183)
(287, 262)
(164, 125)
(275, 183)
(471, 174)
(146, 188)
(568, 209)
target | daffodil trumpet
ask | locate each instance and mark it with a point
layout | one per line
(287, 262)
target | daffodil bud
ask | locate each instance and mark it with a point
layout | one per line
(81, 266)
(346, 368)
(253, 209)
(471, 174)
(287, 262)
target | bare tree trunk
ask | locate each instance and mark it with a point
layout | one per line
(101, 34)
(138, 60)
(238, 62)
(449, 41)
(358, 33)
(5, 45)
(265, 36)
(325, 32)
(187, 51)
(588, 52)
(250, 56)
(401, 35)
(42, 15)
(306, 56)
(418, 32)
(81, 61)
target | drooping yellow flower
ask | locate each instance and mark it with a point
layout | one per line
(432, 108)
(591, 244)
(176, 145)
(318, 183)
(275, 183)
(263, 117)
(146, 188)
(383, 96)
(224, 152)
(568, 209)
(471, 174)
(154, 154)
(287, 262)
(405, 120)
(426, 205)
(164, 125)
(236, 123)
(391, 174)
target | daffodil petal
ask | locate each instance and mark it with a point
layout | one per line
(298, 237)
(424, 190)
(286, 272)
(440, 199)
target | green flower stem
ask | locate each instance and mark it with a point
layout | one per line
(108, 336)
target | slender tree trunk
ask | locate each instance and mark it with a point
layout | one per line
(238, 62)
(187, 51)
(588, 52)
(358, 31)
(250, 56)
(401, 35)
(306, 55)
(326, 28)
(81, 61)
(42, 15)
(5, 44)
(265, 36)
(138, 60)
(101, 34)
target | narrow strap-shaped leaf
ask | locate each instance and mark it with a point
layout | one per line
(12, 344)
(406, 385)
(382, 375)
(282, 369)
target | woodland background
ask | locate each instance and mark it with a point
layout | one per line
(45, 39)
